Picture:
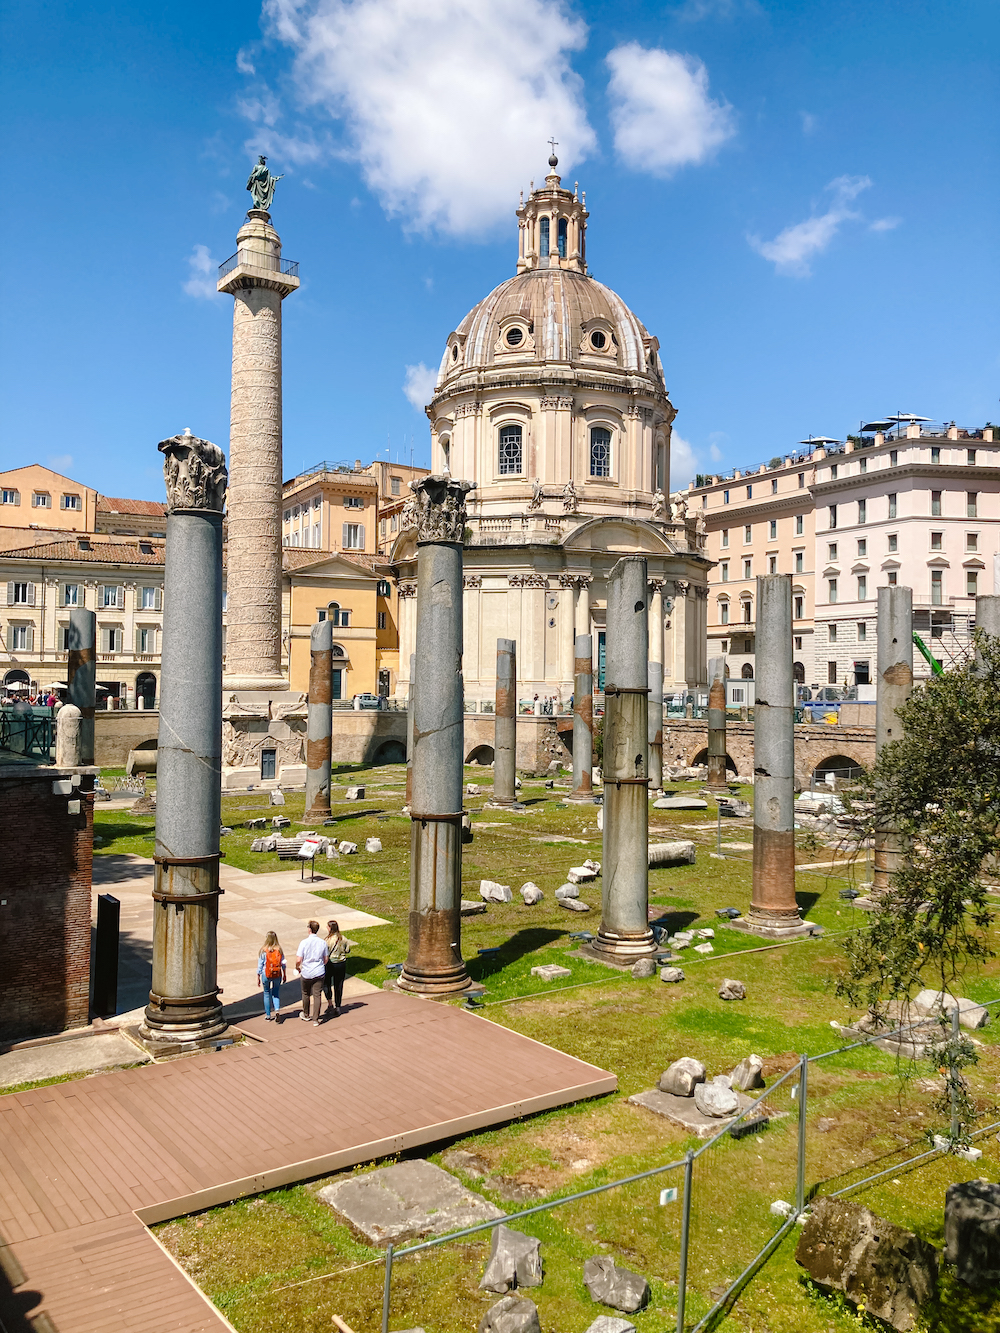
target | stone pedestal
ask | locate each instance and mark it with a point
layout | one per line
(583, 720)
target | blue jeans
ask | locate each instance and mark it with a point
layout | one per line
(272, 994)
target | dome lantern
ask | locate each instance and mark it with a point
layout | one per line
(552, 226)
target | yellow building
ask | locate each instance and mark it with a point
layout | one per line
(36, 497)
(330, 507)
(393, 481)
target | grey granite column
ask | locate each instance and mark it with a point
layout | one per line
(773, 909)
(655, 675)
(81, 677)
(434, 963)
(184, 1006)
(988, 615)
(505, 725)
(583, 720)
(319, 722)
(893, 684)
(625, 935)
(411, 686)
(718, 778)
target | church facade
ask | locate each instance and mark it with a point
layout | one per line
(551, 399)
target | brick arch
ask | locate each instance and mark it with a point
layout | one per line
(702, 758)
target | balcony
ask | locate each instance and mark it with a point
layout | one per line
(255, 259)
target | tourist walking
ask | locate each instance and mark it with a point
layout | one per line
(310, 962)
(336, 967)
(271, 972)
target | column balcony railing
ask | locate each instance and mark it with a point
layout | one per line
(258, 259)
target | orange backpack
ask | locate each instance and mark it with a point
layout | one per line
(272, 963)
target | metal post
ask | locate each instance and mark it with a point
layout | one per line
(505, 724)
(409, 730)
(319, 724)
(81, 679)
(434, 963)
(956, 1128)
(774, 912)
(387, 1289)
(184, 1001)
(682, 1271)
(624, 934)
(583, 719)
(718, 829)
(800, 1182)
(894, 681)
(106, 956)
(718, 777)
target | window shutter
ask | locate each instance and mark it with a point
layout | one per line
(31, 594)
(104, 640)
(346, 537)
(158, 599)
(29, 638)
(10, 593)
(120, 599)
(361, 534)
(138, 640)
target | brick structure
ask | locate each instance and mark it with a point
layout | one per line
(47, 828)
(686, 742)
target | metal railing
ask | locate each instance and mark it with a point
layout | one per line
(257, 259)
(27, 734)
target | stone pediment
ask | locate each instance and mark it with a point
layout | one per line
(335, 565)
(631, 536)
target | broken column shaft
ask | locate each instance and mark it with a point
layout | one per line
(893, 685)
(625, 935)
(81, 679)
(773, 909)
(505, 724)
(655, 681)
(717, 775)
(411, 684)
(583, 719)
(434, 962)
(319, 723)
(184, 1005)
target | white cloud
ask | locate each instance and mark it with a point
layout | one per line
(662, 115)
(885, 224)
(261, 106)
(693, 11)
(809, 121)
(60, 462)
(792, 249)
(244, 63)
(419, 385)
(203, 268)
(684, 462)
(446, 104)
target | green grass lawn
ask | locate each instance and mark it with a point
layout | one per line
(248, 1255)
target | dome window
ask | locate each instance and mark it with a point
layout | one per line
(561, 237)
(515, 336)
(543, 238)
(600, 451)
(510, 451)
(454, 352)
(599, 340)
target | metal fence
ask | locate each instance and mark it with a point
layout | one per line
(28, 734)
(691, 1200)
(257, 259)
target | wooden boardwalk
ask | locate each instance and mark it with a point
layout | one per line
(86, 1166)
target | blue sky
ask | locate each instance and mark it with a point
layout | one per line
(798, 199)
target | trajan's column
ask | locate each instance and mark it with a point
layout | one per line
(258, 279)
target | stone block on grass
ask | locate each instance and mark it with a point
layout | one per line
(574, 905)
(347, 848)
(732, 990)
(682, 1077)
(531, 893)
(670, 854)
(972, 1231)
(567, 891)
(406, 1200)
(515, 1261)
(550, 971)
(671, 975)
(747, 1074)
(354, 794)
(618, 1287)
(717, 1099)
(373, 844)
(643, 967)
(609, 1323)
(511, 1314)
(581, 874)
(492, 892)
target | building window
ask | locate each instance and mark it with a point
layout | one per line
(893, 578)
(937, 587)
(725, 537)
(9, 497)
(862, 587)
(863, 546)
(110, 596)
(381, 619)
(935, 505)
(353, 502)
(395, 521)
(864, 465)
(747, 570)
(831, 673)
(111, 639)
(799, 525)
(383, 588)
(831, 551)
(71, 594)
(316, 535)
(772, 564)
(862, 631)
(831, 632)
(970, 457)
(71, 502)
(831, 588)
(287, 515)
(800, 562)
(893, 541)
(543, 237)
(41, 500)
(20, 594)
(704, 500)
(972, 504)
(748, 613)
(747, 534)
(892, 504)
(725, 571)
(225, 600)
(395, 485)
(774, 485)
(749, 492)
(149, 599)
(600, 452)
(937, 540)
(725, 497)
(773, 529)
(893, 457)
(145, 639)
(833, 516)
(972, 541)
(22, 637)
(798, 641)
(862, 511)
(724, 613)
(971, 583)
(935, 455)
(861, 673)
(724, 646)
(509, 462)
(833, 472)
(798, 604)
(354, 536)
(561, 237)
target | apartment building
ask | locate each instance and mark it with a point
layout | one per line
(914, 504)
(36, 497)
(331, 507)
(393, 480)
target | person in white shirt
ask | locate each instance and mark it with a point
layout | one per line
(310, 961)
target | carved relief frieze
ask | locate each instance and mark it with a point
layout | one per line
(407, 590)
(556, 404)
(472, 580)
(194, 472)
(527, 580)
(468, 410)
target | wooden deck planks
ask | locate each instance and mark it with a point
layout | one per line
(81, 1163)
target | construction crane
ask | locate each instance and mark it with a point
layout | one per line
(935, 665)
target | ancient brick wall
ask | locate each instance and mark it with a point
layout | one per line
(684, 742)
(47, 836)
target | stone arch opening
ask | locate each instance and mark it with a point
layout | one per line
(390, 752)
(702, 758)
(799, 673)
(482, 755)
(840, 766)
(747, 672)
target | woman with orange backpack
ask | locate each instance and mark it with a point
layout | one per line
(271, 973)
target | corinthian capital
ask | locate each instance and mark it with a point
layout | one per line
(440, 508)
(194, 472)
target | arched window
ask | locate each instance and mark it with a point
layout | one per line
(510, 450)
(799, 673)
(747, 672)
(543, 237)
(561, 237)
(338, 650)
(600, 451)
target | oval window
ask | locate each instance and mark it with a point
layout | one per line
(454, 353)
(515, 336)
(599, 340)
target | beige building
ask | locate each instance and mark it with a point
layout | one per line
(393, 480)
(331, 507)
(36, 497)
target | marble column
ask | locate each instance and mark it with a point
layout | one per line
(718, 777)
(582, 604)
(258, 282)
(624, 935)
(319, 722)
(434, 963)
(409, 729)
(893, 684)
(184, 1007)
(81, 677)
(655, 673)
(505, 725)
(583, 720)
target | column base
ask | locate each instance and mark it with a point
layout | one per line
(170, 1030)
(495, 803)
(267, 684)
(427, 989)
(622, 950)
(317, 815)
(773, 927)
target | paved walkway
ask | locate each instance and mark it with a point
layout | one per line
(84, 1166)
